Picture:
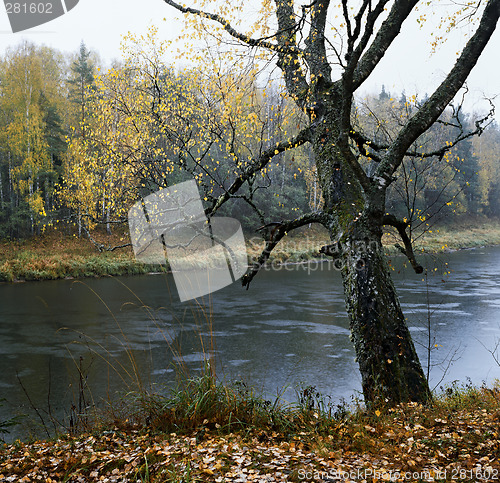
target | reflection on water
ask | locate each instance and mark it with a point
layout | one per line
(289, 328)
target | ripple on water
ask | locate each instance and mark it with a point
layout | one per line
(194, 357)
(310, 327)
(221, 333)
(238, 362)
(275, 331)
(436, 310)
(159, 372)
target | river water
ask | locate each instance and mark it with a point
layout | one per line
(289, 329)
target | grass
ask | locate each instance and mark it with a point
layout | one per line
(8, 423)
(55, 255)
(203, 405)
(465, 234)
(199, 404)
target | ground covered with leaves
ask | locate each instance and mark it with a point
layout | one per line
(454, 439)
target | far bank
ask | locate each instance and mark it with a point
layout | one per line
(59, 255)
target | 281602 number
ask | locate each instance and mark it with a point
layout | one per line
(29, 7)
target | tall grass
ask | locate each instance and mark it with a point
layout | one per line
(140, 403)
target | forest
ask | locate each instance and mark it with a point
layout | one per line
(81, 142)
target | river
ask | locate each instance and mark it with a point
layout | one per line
(289, 329)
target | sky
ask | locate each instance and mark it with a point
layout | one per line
(407, 66)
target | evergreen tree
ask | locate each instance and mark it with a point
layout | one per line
(81, 85)
(467, 164)
(383, 94)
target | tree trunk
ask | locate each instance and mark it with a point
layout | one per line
(108, 218)
(390, 369)
(389, 365)
(1, 189)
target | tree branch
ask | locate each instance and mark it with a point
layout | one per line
(361, 140)
(279, 231)
(227, 26)
(388, 31)
(408, 248)
(315, 52)
(353, 35)
(264, 158)
(288, 53)
(444, 94)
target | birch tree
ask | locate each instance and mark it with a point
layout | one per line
(28, 104)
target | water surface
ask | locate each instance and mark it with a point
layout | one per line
(289, 329)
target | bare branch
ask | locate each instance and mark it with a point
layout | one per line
(388, 31)
(408, 248)
(363, 143)
(315, 53)
(444, 94)
(352, 36)
(280, 229)
(100, 246)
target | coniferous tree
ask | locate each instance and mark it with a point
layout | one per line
(81, 85)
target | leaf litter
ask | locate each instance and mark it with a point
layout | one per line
(408, 443)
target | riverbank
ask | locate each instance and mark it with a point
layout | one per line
(454, 439)
(55, 255)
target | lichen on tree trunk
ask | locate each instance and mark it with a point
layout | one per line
(390, 368)
(389, 365)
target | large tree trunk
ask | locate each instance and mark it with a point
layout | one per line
(389, 365)
(390, 369)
